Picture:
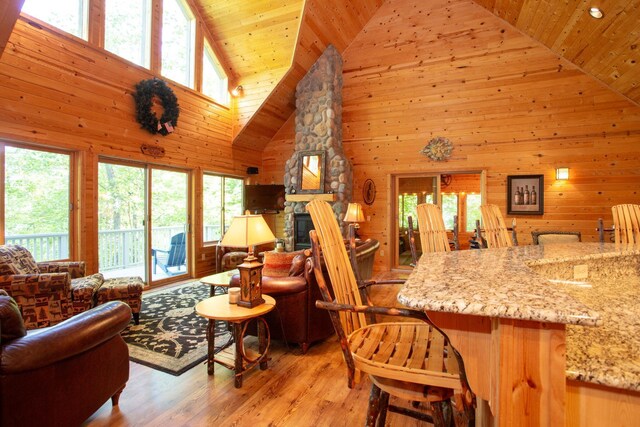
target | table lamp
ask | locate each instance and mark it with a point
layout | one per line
(354, 215)
(249, 231)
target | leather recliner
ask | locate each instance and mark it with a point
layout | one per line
(295, 318)
(60, 375)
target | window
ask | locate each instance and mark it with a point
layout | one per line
(222, 201)
(177, 42)
(67, 15)
(37, 201)
(449, 209)
(473, 211)
(215, 83)
(408, 207)
(127, 29)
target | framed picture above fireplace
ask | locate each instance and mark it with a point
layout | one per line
(311, 172)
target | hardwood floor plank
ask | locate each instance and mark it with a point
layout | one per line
(296, 390)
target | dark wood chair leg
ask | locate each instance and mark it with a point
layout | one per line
(136, 318)
(374, 406)
(384, 405)
(116, 397)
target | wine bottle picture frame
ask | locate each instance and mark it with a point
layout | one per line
(525, 195)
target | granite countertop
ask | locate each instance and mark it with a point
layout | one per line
(530, 283)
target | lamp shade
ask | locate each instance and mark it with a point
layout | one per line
(354, 213)
(247, 231)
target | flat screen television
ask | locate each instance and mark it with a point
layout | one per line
(261, 198)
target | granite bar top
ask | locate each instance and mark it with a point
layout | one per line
(538, 283)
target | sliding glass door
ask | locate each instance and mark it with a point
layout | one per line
(143, 221)
(169, 203)
(121, 213)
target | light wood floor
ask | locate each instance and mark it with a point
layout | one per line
(296, 390)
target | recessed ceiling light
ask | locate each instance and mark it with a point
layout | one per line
(596, 13)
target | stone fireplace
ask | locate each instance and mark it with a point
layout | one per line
(318, 126)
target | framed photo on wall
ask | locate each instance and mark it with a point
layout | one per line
(525, 195)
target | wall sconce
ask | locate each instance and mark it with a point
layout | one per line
(562, 174)
(237, 91)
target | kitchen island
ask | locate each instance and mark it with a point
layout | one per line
(544, 330)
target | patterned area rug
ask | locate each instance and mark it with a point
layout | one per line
(171, 337)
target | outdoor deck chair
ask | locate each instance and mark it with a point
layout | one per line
(175, 256)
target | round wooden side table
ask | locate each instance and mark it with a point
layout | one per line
(218, 308)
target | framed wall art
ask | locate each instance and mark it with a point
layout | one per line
(369, 192)
(525, 195)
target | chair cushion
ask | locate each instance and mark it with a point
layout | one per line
(10, 318)
(16, 259)
(545, 239)
(278, 264)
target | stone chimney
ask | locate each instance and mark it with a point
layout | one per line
(318, 125)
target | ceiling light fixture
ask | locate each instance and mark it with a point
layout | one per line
(596, 13)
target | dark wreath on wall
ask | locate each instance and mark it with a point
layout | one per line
(146, 90)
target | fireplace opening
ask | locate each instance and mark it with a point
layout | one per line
(302, 224)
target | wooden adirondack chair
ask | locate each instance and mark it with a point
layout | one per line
(626, 221)
(174, 257)
(496, 231)
(408, 360)
(433, 235)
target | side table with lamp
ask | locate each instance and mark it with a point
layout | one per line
(245, 231)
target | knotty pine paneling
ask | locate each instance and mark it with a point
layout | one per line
(322, 23)
(509, 105)
(58, 91)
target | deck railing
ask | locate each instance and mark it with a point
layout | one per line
(118, 249)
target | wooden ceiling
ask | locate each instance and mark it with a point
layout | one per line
(607, 48)
(262, 35)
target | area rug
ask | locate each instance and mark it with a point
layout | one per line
(171, 337)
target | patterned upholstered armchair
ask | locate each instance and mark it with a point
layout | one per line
(46, 292)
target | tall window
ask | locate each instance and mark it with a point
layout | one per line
(37, 197)
(473, 210)
(127, 29)
(214, 81)
(449, 209)
(177, 42)
(221, 202)
(67, 15)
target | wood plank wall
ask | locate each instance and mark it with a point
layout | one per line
(58, 91)
(509, 105)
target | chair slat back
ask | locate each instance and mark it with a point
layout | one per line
(626, 220)
(496, 231)
(338, 265)
(433, 235)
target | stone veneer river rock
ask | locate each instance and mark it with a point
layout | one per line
(318, 126)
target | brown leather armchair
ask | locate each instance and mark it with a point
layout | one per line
(288, 278)
(59, 376)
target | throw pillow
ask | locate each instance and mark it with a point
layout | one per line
(297, 265)
(277, 264)
(11, 323)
